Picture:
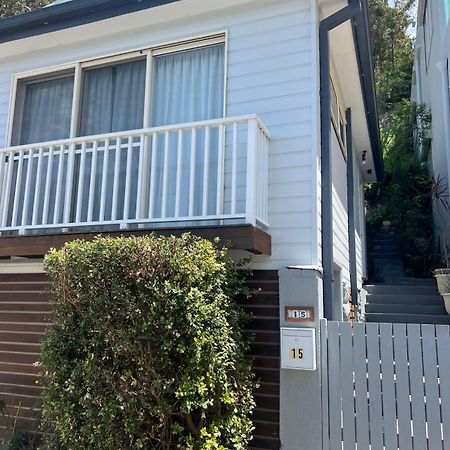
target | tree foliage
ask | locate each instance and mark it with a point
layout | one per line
(147, 350)
(393, 50)
(12, 7)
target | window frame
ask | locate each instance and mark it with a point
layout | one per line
(339, 122)
(76, 69)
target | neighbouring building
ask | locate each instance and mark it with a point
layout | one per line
(431, 89)
(251, 120)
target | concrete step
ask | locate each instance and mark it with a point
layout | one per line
(408, 299)
(17, 296)
(24, 316)
(20, 389)
(8, 286)
(20, 368)
(401, 289)
(18, 357)
(27, 401)
(408, 318)
(395, 308)
(25, 379)
(415, 281)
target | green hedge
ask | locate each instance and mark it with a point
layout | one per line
(147, 350)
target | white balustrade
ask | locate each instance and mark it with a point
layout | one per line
(210, 172)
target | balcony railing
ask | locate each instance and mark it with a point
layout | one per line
(209, 172)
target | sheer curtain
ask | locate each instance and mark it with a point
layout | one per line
(112, 100)
(188, 86)
(47, 111)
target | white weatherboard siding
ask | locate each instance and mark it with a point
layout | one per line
(340, 215)
(272, 71)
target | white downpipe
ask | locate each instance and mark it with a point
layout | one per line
(443, 68)
(418, 77)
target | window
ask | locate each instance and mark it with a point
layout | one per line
(118, 94)
(337, 117)
(43, 110)
(109, 95)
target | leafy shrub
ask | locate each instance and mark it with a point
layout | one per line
(147, 350)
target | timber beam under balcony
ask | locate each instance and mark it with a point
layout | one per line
(236, 237)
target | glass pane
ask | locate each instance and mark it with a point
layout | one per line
(188, 87)
(113, 98)
(47, 110)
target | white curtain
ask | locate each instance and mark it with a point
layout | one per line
(188, 86)
(112, 100)
(47, 111)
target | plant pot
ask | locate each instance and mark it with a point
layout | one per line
(446, 298)
(443, 283)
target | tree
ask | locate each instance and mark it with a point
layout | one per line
(13, 7)
(393, 51)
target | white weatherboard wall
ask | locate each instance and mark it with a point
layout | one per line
(272, 71)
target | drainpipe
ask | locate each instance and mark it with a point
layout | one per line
(349, 12)
(351, 210)
(443, 68)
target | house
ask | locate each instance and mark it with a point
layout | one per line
(251, 120)
(431, 89)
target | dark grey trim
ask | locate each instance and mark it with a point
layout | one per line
(70, 14)
(326, 25)
(351, 210)
(356, 11)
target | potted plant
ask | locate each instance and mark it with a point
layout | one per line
(443, 282)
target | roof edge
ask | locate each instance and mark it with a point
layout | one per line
(68, 15)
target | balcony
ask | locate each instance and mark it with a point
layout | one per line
(203, 174)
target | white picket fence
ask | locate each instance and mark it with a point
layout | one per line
(385, 386)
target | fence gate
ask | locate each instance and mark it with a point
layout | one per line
(385, 386)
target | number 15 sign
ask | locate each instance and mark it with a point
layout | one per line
(298, 348)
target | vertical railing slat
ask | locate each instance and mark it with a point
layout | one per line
(143, 150)
(234, 155)
(48, 185)
(220, 171)
(116, 179)
(2, 179)
(58, 194)
(179, 173)
(69, 183)
(206, 172)
(251, 194)
(26, 198)
(165, 187)
(92, 181)
(128, 176)
(152, 193)
(8, 187)
(80, 189)
(192, 171)
(17, 189)
(37, 190)
(104, 186)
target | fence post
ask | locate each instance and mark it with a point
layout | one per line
(301, 391)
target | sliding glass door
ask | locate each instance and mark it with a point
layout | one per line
(188, 87)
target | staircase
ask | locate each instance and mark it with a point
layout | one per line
(396, 298)
(24, 313)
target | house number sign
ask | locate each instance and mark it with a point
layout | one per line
(299, 314)
(298, 348)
